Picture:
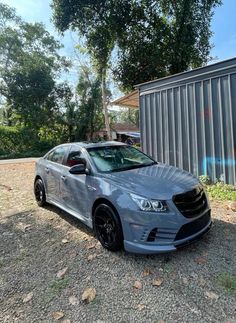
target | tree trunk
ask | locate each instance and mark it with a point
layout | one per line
(104, 103)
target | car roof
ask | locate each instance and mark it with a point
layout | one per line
(87, 144)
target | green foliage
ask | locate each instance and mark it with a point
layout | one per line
(189, 21)
(7, 14)
(98, 23)
(89, 116)
(205, 179)
(143, 47)
(163, 38)
(58, 285)
(33, 102)
(125, 115)
(228, 282)
(92, 21)
(152, 38)
(22, 142)
(221, 191)
(29, 64)
(55, 289)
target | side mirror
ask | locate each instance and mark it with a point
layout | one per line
(78, 169)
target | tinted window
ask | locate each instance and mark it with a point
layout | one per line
(75, 157)
(57, 155)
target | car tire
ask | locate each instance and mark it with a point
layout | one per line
(107, 227)
(39, 192)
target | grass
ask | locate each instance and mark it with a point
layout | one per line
(228, 282)
(55, 288)
(23, 254)
(222, 192)
(95, 302)
(1, 263)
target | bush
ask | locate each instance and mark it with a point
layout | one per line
(22, 142)
(205, 179)
(221, 191)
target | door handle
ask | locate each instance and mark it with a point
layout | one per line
(63, 178)
(91, 188)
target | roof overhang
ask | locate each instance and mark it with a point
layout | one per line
(130, 100)
(132, 134)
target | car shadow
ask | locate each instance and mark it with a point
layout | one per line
(221, 235)
(76, 223)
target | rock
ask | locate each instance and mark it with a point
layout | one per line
(212, 295)
(61, 273)
(57, 315)
(28, 297)
(88, 295)
(140, 307)
(137, 284)
(73, 300)
(157, 282)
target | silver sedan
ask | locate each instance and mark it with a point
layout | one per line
(126, 197)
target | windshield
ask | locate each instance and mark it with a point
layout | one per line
(118, 158)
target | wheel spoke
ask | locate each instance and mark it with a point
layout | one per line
(105, 228)
(101, 217)
(110, 238)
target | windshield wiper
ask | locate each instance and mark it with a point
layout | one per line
(133, 167)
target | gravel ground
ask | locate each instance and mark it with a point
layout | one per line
(36, 243)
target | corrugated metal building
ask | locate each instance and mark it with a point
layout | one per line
(189, 120)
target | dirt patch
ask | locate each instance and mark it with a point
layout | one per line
(48, 259)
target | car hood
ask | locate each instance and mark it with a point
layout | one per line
(158, 181)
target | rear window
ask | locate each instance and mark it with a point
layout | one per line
(57, 155)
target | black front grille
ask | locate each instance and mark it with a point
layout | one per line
(193, 227)
(191, 203)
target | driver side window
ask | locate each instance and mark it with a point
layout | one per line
(75, 157)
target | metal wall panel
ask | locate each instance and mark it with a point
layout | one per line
(191, 123)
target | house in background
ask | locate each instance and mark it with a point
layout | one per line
(121, 132)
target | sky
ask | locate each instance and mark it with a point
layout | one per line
(223, 27)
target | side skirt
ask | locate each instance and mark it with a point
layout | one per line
(86, 221)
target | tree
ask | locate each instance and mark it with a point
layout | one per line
(96, 20)
(7, 15)
(164, 37)
(143, 47)
(153, 38)
(29, 65)
(126, 116)
(190, 32)
(61, 115)
(89, 117)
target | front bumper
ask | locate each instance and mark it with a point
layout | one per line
(172, 231)
(153, 248)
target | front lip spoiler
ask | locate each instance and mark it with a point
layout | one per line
(194, 239)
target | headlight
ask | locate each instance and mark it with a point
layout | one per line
(149, 205)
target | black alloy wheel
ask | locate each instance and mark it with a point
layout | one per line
(39, 192)
(108, 228)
